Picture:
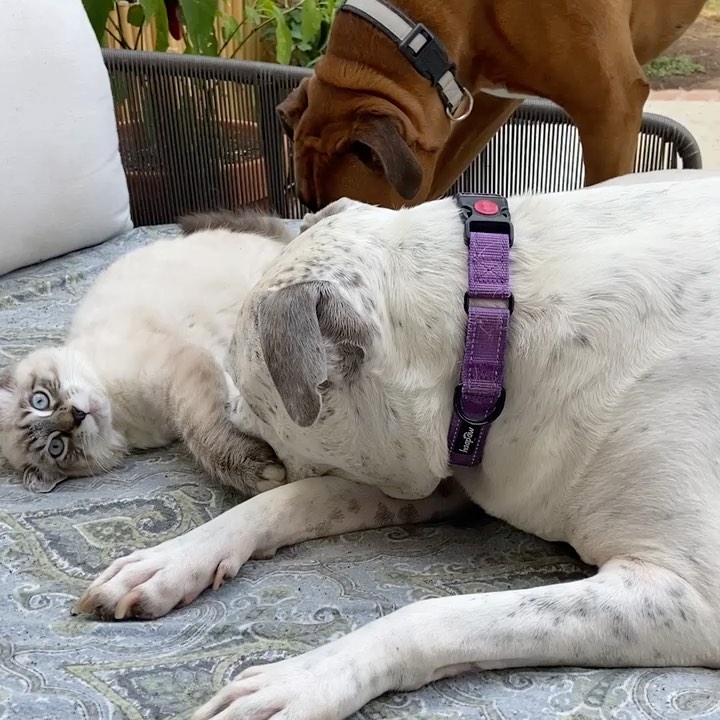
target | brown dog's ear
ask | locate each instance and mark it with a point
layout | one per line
(290, 110)
(379, 144)
(309, 335)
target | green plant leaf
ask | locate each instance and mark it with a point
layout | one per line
(136, 15)
(97, 12)
(283, 40)
(229, 26)
(268, 8)
(155, 9)
(119, 87)
(311, 18)
(253, 15)
(162, 41)
(199, 16)
(669, 66)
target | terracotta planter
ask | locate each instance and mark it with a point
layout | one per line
(158, 194)
(146, 183)
(243, 169)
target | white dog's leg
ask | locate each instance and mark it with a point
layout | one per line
(149, 583)
(630, 613)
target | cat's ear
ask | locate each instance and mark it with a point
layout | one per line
(8, 387)
(335, 207)
(38, 481)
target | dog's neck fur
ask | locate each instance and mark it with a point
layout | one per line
(386, 61)
(566, 335)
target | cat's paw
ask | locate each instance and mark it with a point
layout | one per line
(272, 476)
(258, 476)
(235, 408)
(247, 464)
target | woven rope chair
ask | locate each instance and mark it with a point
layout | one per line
(201, 133)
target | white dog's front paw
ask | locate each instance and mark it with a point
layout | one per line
(149, 583)
(314, 686)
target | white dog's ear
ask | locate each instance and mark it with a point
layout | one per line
(310, 335)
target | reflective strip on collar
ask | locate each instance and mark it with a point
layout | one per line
(399, 27)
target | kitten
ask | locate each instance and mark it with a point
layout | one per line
(143, 364)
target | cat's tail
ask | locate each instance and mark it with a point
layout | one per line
(198, 395)
(240, 222)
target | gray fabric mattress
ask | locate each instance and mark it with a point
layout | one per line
(57, 667)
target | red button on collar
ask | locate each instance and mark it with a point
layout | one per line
(487, 207)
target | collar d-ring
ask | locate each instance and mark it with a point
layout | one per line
(468, 102)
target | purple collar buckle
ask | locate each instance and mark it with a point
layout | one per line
(480, 395)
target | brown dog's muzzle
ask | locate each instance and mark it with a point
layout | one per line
(340, 151)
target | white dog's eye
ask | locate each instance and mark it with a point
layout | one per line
(56, 447)
(40, 400)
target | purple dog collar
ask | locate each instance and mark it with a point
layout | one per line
(480, 396)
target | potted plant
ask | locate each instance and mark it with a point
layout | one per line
(297, 32)
(232, 164)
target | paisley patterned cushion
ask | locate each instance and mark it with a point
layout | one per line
(57, 667)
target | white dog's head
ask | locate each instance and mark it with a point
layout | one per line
(348, 348)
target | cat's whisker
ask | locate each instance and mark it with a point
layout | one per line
(83, 448)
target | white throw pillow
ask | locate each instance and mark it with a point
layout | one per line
(62, 186)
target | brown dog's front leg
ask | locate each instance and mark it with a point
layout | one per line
(149, 583)
(467, 139)
(609, 120)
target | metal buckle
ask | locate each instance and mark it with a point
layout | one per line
(493, 415)
(469, 102)
(510, 301)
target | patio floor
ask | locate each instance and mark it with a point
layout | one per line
(699, 112)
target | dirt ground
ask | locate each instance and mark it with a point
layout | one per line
(698, 51)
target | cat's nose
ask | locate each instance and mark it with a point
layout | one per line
(78, 415)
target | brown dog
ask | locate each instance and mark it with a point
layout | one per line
(368, 126)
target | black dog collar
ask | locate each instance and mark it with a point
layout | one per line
(422, 49)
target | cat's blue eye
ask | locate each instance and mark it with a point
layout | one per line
(56, 447)
(40, 400)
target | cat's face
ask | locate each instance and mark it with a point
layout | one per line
(55, 419)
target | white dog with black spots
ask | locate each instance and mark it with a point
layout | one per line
(347, 354)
